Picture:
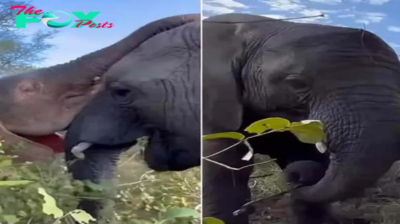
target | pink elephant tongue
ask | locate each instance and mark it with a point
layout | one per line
(55, 142)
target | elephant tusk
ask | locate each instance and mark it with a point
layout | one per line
(321, 147)
(78, 149)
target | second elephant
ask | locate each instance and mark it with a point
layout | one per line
(347, 78)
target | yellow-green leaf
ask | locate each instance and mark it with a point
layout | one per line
(81, 216)
(274, 123)
(232, 135)
(49, 205)
(5, 163)
(11, 183)
(308, 131)
(211, 220)
(10, 219)
(180, 213)
(7, 157)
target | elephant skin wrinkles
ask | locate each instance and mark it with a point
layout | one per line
(347, 78)
(153, 91)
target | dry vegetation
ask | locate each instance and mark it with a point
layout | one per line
(380, 205)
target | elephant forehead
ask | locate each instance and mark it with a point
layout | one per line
(157, 57)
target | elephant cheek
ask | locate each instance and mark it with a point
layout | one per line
(164, 155)
(155, 154)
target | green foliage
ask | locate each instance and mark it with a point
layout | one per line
(232, 135)
(308, 131)
(48, 194)
(7, 207)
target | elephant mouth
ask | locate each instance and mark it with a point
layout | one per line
(164, 151)
(53, 142)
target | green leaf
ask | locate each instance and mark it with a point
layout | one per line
(180, 213)
(5, 163)
(260, 126)
(7, 157)
(211, 220)
(10, 219)
(308, 131)
(232, 135)
(49, 205)
(81, 216)
(10, 183)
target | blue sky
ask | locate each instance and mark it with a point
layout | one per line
(126, 15)
(379, 16)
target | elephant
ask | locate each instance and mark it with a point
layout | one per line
(147, 84)
(152, 91)
(36, 104)
(256, 67)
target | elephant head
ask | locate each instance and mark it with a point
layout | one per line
(153, 91)
(347, 78)
(39, 103)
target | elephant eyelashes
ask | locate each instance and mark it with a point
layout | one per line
(297, 83)
(121, 95)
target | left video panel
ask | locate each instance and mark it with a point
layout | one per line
(97, 102)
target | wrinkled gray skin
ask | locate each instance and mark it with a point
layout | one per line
(347, 78)
(153, 91)
(307, 173)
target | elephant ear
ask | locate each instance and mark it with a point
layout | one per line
(222, 83)
(222, 109)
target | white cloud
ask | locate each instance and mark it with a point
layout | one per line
(372, 2)
(227, 3)
(284, 5)
(378, 2)
(330, 2)
(370, 17)
(374, 17)
(275, 16)
(311, 12)
(394, 45)
(217, 9)
(362, 21)
(394, 28)
(346, 16)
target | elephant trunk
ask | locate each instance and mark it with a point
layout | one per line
(98, 167)
(362, 138)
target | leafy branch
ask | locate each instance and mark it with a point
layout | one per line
(307, 131)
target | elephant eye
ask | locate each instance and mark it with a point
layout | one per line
(122, 95)
(296, 82)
